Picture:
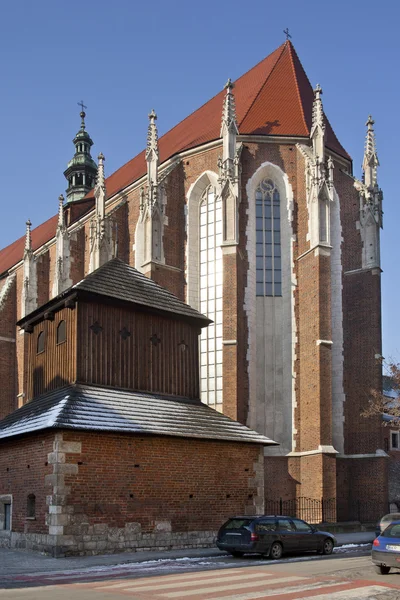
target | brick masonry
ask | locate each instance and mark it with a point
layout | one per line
(312, 364)
(156, 495)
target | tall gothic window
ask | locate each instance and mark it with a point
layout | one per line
(268, 240)
(211, 297)
(323, 218)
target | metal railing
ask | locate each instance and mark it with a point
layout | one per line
(310, 509)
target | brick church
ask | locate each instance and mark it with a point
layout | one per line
(248, 212)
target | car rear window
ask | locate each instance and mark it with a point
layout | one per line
(237, 523)
(392, 531)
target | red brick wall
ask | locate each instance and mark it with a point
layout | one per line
(23, 467)
(279, 482)
(232, 405)
(362, 340)
(362, 485)
(195, 484)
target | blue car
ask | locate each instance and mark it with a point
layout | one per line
(386, 549)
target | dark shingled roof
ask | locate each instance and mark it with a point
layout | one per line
(89, 408)
(116, 279)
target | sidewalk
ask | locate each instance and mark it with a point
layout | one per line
(13, 562)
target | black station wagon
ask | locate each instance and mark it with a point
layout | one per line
(272, 536)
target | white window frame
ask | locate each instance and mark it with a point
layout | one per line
(397, 434)
(5, 499)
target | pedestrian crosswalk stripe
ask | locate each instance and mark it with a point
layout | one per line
(365, 593)
(295, 589)
(193, 582)
(178, 577)
(218, 588)
(199, 580)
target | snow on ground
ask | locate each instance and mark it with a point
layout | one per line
(176, 564)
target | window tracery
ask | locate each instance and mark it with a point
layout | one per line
(268, 240)
(211, 296)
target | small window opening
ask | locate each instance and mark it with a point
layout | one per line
(395, 440)
(31, 506)
(61, 332)
(40, 342)
(7, 516)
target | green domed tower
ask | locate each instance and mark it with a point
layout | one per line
(81, 170)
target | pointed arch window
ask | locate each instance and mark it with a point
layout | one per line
(210, 239)
(323, 218)
(61, 332)
(40, 343)
(268, 240)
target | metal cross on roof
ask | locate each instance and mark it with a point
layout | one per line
(82, 106)
(286, 32)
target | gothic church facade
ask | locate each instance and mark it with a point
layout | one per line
(247, 210)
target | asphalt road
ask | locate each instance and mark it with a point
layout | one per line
(340, 577)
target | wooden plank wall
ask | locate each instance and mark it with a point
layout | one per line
(169, 366)
(56, 365)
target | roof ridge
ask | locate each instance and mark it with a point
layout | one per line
(291, 49)
(265, 82)
(221, 91)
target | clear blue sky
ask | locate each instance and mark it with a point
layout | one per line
(127, 56)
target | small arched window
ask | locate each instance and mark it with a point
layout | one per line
(31, 506)
(40, 342)
(268, 240)
(61, 332)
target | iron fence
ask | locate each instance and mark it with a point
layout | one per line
(310, 509)
(326, 510)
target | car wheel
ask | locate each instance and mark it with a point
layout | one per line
(382, 569)
(237, 554)
(327, 546)
(276, 551)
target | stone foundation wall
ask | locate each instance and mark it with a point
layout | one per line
(101, 539)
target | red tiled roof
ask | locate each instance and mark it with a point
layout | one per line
(13, 253)
(274, 98)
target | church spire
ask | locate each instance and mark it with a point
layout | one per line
(102, 246)
(100, 189)
(29, 288)
(317, 133)
(152, 150)
(61, 279)
(81, 169)
(370, 162)
(229, 129)
(229, 167)
(28, 237)
(61, 221)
